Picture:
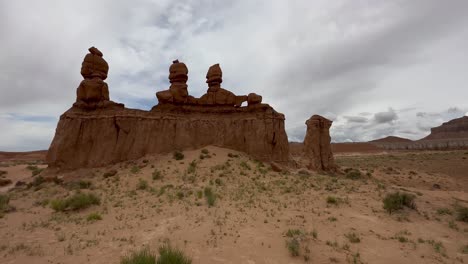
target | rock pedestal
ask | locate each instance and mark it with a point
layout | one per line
(317, 148)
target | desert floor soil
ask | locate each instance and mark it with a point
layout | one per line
(330, 218)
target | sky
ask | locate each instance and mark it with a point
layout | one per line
(376, 68)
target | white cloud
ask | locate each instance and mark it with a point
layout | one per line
(304, 57)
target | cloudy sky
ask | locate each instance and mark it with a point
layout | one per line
(375, 67)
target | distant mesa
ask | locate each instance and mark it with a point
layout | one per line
(450, 135)
(391, 139)
(96, 131)
(453, 129)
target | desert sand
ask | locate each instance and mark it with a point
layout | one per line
(336, 218)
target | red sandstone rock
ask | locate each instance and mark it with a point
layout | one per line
(93, 92)
(97, 132)
(317, 146)
(453, 129)
(216, 95)
(254, 98)
(177, 93)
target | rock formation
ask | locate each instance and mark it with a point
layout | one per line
(217, 95)
(317, 147)
(93, 92)
(90, 134)
(177, 93)
(456, 128)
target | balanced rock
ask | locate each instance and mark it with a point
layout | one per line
(216, 95)
(254, 98)
(317, 147)
(93, 92)
(177, 93)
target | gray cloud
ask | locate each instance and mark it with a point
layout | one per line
(385, 117)
(304, 57)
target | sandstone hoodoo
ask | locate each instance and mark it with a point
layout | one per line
(93, 92)
(97, 132)
(317, 148)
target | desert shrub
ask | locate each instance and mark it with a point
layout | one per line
(2, 173)
(142, 184)
(230, 155)
(332, 200)
(4, 182)
(135, 169)
(199, 194)
(210, 196)
(444, 211)
(170, 255)
(180, 195)
(94, 217)
(192, 167)
(353, 237)
(34, 169)
(396, 201)
(178, 155)
(84, 184)
(204, 151)
(353, 174)
(157, 175)
(293, 246)
(244, 165)
(462, 214)
(75, 202)
(144, 256)
(4, 203)
(293, 232)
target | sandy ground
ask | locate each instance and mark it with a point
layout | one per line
(254, 209)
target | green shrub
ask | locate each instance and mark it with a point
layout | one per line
(396, 201)
(245, 165)
(462, 214)
(142, 184)
(210, 196)
(293, 246)
(84, 184)
(75, 202)
(353, 174)
(205, 151)
(144, 256)
(157, 175)
(34, 169)
(135, 169)
(192, 167)
(94, 217)
(4, 203)
(353, 237)
(170, 255)
(332, 200)
(178, 155)
(293, 232)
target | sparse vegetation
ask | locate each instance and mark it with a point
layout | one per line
(462, 214)
(144, 256)
(109, 173)
(93, 217)
(157, 175)
(170, 255)
(4, 204)
(210, 196)
(353, 174)
(353, 237)
(396, 201)
(135, 169)
(177, 155)
(293, 246)
(34, 170)
(332, 200)
(75, 202)
(142, 184)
